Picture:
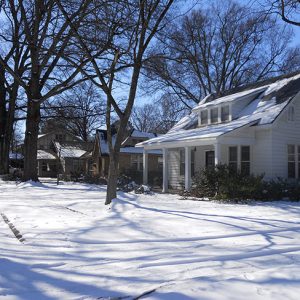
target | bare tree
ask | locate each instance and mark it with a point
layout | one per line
(135, 24)
(15, 54)
(289, 10)
(158, 117)
(80, 110)
(216, 49)
(48, 40)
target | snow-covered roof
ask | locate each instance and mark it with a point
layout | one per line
(134, 150)
(141, 134)
(42, 154)
(103, 145)
(262, 110)
(69, 151)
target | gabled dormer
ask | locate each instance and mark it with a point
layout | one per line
(225, 109)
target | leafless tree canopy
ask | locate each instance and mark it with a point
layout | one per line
(218, 48)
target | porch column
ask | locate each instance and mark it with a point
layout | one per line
(145, 166)
(217, 153)
(165, 170)
(187, 167)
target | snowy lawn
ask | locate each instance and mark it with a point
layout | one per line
(76, 248)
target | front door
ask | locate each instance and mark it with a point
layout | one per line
(209, 159)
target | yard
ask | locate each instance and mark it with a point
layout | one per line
(73, 247)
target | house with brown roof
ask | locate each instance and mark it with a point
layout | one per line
(131, 158)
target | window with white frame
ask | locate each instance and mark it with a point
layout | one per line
(233, 158)
(204, 117)
(137, 162)
(291, 114)
(245, 160)
(214, 112)
(292, 161)
(225, 113)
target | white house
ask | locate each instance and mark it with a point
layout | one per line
(255, 129)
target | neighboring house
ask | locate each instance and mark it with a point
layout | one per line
(255, 129)
(62, 153)
(131, 158)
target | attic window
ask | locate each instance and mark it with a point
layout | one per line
(214, 115)
(225, 113)
(204, 117)
(291, 114)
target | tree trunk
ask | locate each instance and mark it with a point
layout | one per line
(30, 143)
(3, 114)
(113, 173)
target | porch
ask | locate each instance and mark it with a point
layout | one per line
(180, 164)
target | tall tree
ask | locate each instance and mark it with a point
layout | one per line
(218, 48)
(15, 55)
(48, 40)
(135, 24)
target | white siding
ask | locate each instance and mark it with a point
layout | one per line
(175, 180)
(285, 132)
(262, 153)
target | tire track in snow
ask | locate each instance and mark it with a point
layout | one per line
(14, 230)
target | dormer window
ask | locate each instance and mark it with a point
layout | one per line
(204, 117)
(214, 115)
(225, 113)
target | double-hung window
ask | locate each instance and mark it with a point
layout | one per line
(233, 158)
(204, 117)
(225, 113)
(214, 115)
(245, 160)
(292, 161)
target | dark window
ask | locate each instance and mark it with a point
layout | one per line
(225, 113)
(245, 160)
(214, 115)
(233, 158)
(210, 159)
(44, 167)
(182, 164)
(204, 117)
(291, 161)
(137, 162)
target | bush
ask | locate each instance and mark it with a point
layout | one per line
(223, 183)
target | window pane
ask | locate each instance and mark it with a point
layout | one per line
(225, 113)
(204, 117)
(291, 170)
(233, 166)
(245, 153)
(232, 154)
(245, 168)
(214, 115)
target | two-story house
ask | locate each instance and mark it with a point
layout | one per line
(254, 128)
(131, 158)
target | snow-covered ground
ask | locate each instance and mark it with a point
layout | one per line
(76, 248)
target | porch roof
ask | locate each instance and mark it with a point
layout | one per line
(208, 132)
